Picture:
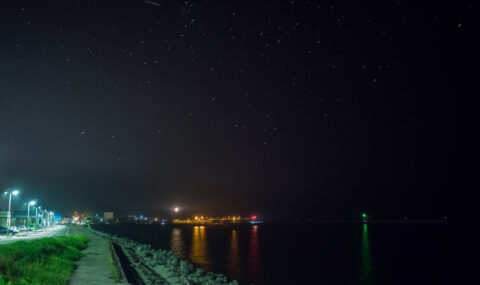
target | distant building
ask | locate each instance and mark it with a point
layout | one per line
(108, 216)
(19, 218)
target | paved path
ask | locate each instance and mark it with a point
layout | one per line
(93, 268)
(55, 231)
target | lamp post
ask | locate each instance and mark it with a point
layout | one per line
(36, 216)
(45, 218)
(9, 216)
(31, 203)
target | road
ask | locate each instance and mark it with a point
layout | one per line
(55, 231)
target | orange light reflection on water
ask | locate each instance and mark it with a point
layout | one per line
(199, 249)
(234, 269)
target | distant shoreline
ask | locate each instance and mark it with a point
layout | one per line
(370, 222)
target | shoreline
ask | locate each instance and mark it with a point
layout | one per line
(142, 264)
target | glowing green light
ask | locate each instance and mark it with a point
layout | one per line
(364, 215)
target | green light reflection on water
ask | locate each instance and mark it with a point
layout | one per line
(366, 269)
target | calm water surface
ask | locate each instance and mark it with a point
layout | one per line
(308, 253)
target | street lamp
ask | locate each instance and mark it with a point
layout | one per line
(9, 217)
(36, 215)
(31, 203)
(45, 218)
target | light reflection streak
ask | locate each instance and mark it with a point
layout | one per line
(366, 270)
(199, 249)
(254, 264)
(176, 243)
(234, 270)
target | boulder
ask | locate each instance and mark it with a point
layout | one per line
(185, 267)
(174, 280)
(160, 269)
(171, 268)
(173, 261)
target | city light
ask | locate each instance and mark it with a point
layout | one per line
(217, 220)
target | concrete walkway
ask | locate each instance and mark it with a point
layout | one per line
(93, 268)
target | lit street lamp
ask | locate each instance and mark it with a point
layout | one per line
(31, 203)
(9, 216)
(45, 218)
(36, 215)
(49, 219)
(52, 217)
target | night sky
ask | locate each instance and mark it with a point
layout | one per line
(315, 109)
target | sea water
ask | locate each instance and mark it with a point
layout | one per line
(321, 253)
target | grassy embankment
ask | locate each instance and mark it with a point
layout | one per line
(42, 261)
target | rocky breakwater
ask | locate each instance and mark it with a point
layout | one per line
(157, 266)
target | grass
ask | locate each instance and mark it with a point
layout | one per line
(41, 261)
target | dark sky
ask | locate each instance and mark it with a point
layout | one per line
(283, 108)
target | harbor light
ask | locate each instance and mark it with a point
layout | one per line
(364, 218)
